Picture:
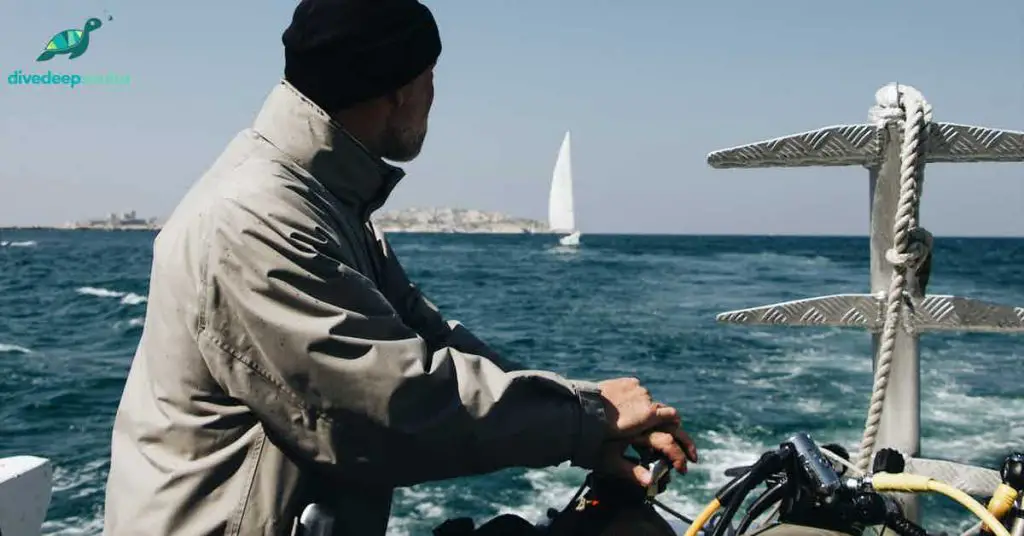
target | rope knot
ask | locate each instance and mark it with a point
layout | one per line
(916, 253)
(919, 246)
(891, 104)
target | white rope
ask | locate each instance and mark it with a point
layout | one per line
(896, 103)
(842, 461)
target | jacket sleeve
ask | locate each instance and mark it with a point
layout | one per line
(338, 379)
(422, 315)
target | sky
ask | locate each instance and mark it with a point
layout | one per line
(647, 89)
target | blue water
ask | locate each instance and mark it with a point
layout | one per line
(72, 304)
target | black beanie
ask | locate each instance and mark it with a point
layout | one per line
(341, 52)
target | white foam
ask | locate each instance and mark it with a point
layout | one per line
(744, 261)
(22, 244)
(99, 292)
(719, 451)
(14, 348)
(982, 426)
(83, 480)
(552, 489)
(74, 526)
(133, 299)
(822, 358)
(131, 323)
(127, 298)
(813, 406)
(427, 502)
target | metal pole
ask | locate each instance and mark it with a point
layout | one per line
(901, 414)
(877, 148)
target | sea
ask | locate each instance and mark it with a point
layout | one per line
(73, 303)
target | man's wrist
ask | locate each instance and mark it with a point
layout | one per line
(593, 425)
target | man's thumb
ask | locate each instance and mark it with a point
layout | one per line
(634, 472)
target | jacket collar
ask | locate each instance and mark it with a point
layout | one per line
(304, 132)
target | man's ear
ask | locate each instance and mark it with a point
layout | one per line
(398, 97)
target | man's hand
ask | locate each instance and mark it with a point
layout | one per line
(669, 442)
(635, 419)
(630, 409)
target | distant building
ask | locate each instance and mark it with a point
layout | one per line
(126, 220)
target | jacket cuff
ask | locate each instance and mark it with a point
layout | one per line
(593, 425)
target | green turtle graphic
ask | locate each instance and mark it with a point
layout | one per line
(74, 42)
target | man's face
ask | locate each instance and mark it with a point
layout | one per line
(406, 127)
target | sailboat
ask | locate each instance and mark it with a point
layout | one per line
(561, 216)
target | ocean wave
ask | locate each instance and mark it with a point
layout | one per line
(74, 526)
(82, 483)
(127, 298)
(773, 258)
(14, 349)
(130, 324)
(22, 244)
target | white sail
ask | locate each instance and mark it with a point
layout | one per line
(561, 214)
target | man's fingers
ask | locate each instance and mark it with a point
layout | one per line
(684, 439)
(658, 415)
(652, 416)
(665, 444)
(666, 413)
(687, 443)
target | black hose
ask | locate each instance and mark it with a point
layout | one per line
(904, 526)
(734, 494)
(761, 505)
(735, 501)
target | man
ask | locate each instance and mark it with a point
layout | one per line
(286, 358)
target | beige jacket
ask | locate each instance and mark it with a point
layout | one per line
(287, 359)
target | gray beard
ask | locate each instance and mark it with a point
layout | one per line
(402, 144)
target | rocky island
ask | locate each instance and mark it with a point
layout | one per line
(454, 220)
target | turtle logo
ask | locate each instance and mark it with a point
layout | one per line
(74, 41)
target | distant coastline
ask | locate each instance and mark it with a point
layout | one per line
(455, 220)
(127, 221)
(410, 220)
(66, 227)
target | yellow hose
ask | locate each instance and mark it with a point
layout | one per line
(1002, 500)
(709, 511)
(917, 483)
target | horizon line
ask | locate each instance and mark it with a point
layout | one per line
(600, 234)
